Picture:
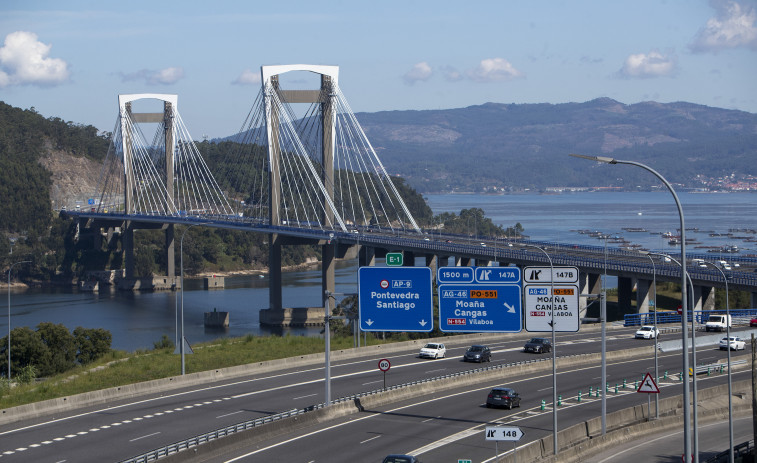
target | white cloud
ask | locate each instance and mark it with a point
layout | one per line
(653, 64)
(732, 27)
(247, 78)
(24, 61)
(420, 72)
(165, 76)
(451, 74)
(494, 70)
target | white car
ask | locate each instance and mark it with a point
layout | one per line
(647, 332)
(433, 350)
(736, 343)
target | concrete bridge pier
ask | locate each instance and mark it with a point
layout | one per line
(170, 252)
(642, 295)
(462, 261)
(704, 298)
(328, 268)
(366, 256)
(128, 244)
(588, 283)
(274, 272)
(432, 262)
(625, 294)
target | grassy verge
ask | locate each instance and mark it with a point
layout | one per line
(121, 368)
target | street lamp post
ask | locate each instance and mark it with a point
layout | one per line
(728, 335)
(9, 313)
(684, 324)
(554, 350)
(695, 438)
(181, 334)
(656, 337)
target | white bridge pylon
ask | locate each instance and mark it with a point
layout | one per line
(322, 169)
(166, 177)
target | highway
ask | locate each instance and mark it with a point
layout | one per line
(130, 427)
(450, 426)
(663, 447)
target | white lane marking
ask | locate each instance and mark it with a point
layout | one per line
(545, 389)
(145, 436)
(647, 442)
(368, 440)
(304, 396)
(430, 419)
(240, 457)
(246, 381)
(434, 371)
(229, 414)
(372, 382)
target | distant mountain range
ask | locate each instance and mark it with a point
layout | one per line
(518, 146)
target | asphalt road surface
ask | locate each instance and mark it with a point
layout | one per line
(431, 425)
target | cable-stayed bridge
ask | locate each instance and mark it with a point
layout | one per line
(313, 178)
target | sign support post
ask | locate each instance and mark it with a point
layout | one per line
(384, 366)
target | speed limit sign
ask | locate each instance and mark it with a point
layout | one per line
(384, 365)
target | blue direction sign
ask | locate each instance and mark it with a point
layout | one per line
(395, 299)
(480, 308)
(480, 299)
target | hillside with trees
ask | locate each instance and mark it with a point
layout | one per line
(34, 152)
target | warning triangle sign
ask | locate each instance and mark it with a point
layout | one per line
(648, 385)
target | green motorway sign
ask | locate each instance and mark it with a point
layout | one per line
(394, 259)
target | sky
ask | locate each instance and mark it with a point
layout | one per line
(71, 59)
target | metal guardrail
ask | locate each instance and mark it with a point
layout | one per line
(739, 451)
(716, 367)
(177, 447)
(636, 319)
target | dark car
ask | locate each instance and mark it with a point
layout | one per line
(502, 397)
(477, 354)
(401, 459)
(538, 345)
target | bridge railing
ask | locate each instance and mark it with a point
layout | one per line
(739, 317)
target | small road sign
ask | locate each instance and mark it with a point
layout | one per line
(384, 365)
(511, 433)
(394, 259)
(648, 385)
(542, 275)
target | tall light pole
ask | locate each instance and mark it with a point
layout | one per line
(9, 313)
(554, 350)
(695, 438)
(656, 336)
(181, 252)
(684, 313)
(728, 335)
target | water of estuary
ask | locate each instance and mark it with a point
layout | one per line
(138, 319)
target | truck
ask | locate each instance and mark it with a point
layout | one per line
(718, 323)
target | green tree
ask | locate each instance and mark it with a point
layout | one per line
(60, 352)
(91, 343)
(27, 348)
